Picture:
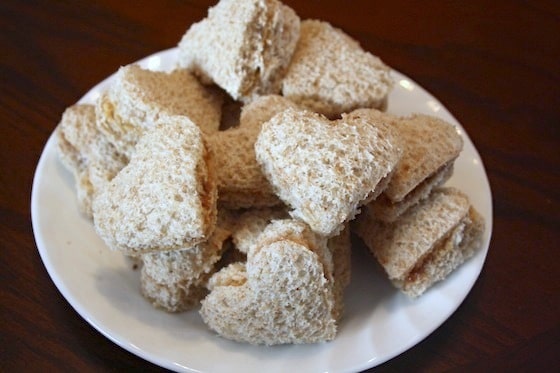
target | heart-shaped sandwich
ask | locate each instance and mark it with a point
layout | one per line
(331, 74)
(138, 97)
(165, 198)
(243, 46)
(324, 170)
(283, 294)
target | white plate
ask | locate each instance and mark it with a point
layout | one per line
(379, 322)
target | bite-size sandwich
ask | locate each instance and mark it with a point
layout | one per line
(288, 291)
(165, 198)
(331, 74)
(243, 46)
(325, 170)
(427, 242)
(429, 146)
(139, 97)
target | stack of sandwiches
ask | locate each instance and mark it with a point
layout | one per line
(251, 223)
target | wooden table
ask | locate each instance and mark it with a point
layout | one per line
(495, 65)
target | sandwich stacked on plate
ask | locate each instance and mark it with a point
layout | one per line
(238, 177)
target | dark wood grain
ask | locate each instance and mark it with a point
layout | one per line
(495, 65)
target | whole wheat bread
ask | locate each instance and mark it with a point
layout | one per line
(86, 152)
(176, 280)
(138, 98)
(165, 198)
(331, 74)
(427, 242)
(325, 170)
(430, 147)
(244, 46)
(282, 295)
(241, 183)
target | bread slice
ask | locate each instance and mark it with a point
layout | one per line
(175, 280)
(429, 143)
(139, 97)
(85, 151)
(331, 74)
(282, 295)
(430, 147)
(427, 242)
(325, 170)
(241, 183)
(165, 198)
(244, 46)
